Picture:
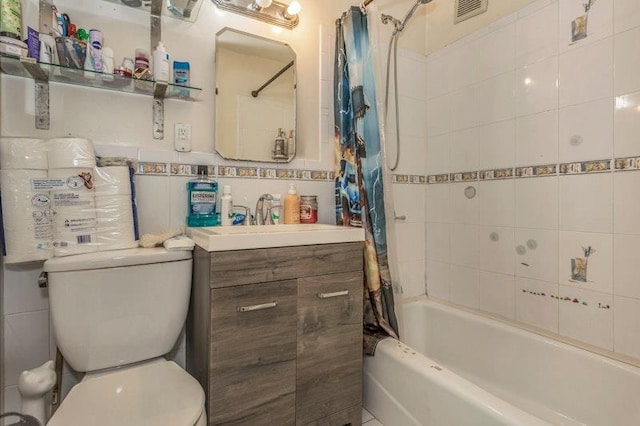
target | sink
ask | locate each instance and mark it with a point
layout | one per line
(223, 238)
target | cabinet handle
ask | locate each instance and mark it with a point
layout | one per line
(256, 307)
(334, 294)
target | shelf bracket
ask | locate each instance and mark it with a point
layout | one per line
(160, 88)
(41, 79)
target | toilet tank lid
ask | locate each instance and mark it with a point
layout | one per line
(114, 259)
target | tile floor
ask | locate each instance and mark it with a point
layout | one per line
(369, 420)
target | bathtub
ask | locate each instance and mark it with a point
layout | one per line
(459, 368)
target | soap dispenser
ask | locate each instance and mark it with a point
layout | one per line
(292, 206)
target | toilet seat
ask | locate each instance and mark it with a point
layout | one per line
(155, 393)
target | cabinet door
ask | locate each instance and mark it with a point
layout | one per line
(329, 375)
(253, 354)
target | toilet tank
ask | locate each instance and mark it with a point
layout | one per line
(118, 307)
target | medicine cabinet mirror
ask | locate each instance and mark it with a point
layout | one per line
(255, 98)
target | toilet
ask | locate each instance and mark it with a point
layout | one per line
(114, 315)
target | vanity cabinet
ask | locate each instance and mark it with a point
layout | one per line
(274, 335)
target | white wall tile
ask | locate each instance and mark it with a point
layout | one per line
(438, 77)
(586, 73)
(537, 203)
(413, 151)
(496, 249)
(464, 245)
(495, 98)
(532, 44)
(412, 241)
(626, 323)
(496, 52)
(437, 157)
(178, 201)
(591, 323)
(26, 343)
(21, 291)
(438, 279)
(496, 145)
(627, 62)
(464, 286)
(464, 108)
(412, 113)
(586, 203)
(497, 202)
(439, 203)
(497, 294)
(626, 203)
(627, 125)
(439, 115)
(412, 278)
(538, 310)
(600, 22)
(463, 150)
(599, 272)
(626, 15)
(625, 265)
(537, 139)
(415, 66)
(409, 201)
(536, 87)
(438, 245)
(463, 209)
(586, 131)
(538, 256)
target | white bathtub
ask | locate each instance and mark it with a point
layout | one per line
(470, 370)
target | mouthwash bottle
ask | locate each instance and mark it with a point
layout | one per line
(202, 194)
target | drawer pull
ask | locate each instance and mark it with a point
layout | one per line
(257, 307)
(334, 294)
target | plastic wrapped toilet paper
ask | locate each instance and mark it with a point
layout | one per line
(23, 153)
(26, 216)
(113, 180)
(74, 227)
(79, 180)
(70, 152)
(115, 228)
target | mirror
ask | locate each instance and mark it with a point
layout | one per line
(255, 98)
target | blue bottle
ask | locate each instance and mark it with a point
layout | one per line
(202, 195)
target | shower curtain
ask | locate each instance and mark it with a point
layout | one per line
(359, 169)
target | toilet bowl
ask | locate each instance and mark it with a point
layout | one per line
(114, 315)
(156, 393)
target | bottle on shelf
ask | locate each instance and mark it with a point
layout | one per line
(160, 63)
(276, 207)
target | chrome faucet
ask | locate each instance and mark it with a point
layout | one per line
(262, 217)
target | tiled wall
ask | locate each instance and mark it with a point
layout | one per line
(544, 129)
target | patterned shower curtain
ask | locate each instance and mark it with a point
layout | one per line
(359, 169)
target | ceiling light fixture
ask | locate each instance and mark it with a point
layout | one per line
(269, 11)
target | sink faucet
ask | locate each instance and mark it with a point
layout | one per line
(262, 217)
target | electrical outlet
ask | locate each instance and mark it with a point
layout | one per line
(182, 137)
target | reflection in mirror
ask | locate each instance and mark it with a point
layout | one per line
(255, 98)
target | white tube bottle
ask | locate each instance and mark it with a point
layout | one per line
(160, 63)
(226, 206)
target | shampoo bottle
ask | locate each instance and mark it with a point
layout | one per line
(292, 206)
(226, 205)
(276, 208)
(160, 63)
(202, 193)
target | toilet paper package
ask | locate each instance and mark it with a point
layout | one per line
(74, 225)
(70, 152)
(115, 224)
(78, 180)
(26, 216)
(113, 180)
(23, 153)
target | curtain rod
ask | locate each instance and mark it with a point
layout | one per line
(366, 3)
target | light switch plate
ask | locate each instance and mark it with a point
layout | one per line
(182, 137)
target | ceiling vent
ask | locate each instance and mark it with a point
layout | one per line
(466, 9)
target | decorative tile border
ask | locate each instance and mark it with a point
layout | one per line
(537, 171)
(496, 174)
(438, 179)
(463, 176)
(629, 163)
(597, 166)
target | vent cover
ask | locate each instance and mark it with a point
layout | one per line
(466, 9)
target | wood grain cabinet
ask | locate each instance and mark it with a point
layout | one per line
(274, 336)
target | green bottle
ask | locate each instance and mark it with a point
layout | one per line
(202, 194)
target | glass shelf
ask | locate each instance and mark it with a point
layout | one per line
(43, 72)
